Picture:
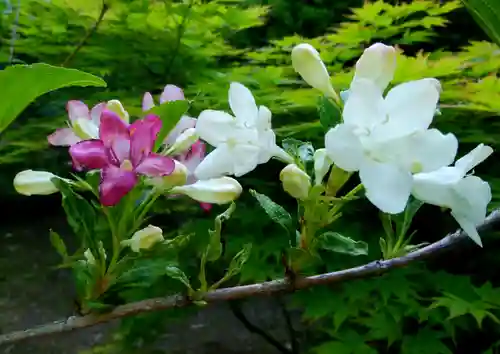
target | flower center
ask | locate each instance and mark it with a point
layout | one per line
(127, 165)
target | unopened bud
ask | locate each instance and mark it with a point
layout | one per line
(183, 142)
(295, 181)
(177, 178)
(377, 64)
(31, 182)
(322, 165)
(221, 190)
(144, 239)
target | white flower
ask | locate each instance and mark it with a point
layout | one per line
(467, 196)
(307, 62)
(322, 164)
(242, 142)
(144, 238)
(221, 190)
(31, 182)
(378, 64)
(295, 181)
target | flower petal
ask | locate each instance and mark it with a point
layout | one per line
(410, 107)
(156, 165)
(77, 109)
(243, 104)
(475, 195)
(215, 127)
(469, 228)
(193, 157)
(147, 102)
(387, 186)
(436, 187)
(263, 119)
(184, 123)
(91, 154)
(95, 113)
(216, 164)
(365, 106)
(245, 159)
(115, 184)
(378, 64)
(474, 158)
(114, 133)
(63, 137)
(142, 137)
(171, 93)
(344, 147)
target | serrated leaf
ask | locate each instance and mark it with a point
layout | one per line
(177, 274)
(170, 113)
(20, 85)
(333, 241)
(276, 212)
(239, 260)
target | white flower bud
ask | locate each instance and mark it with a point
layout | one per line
(145, 238)
(322, 164)
(31, 182)
(177, 178)
(307, 62)
(221, 190)
(183, 142)
(377, 64)
(295, 181)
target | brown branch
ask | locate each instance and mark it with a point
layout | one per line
(244, 291)
(90, 33)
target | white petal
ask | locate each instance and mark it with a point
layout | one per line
(95, 113)
(436, 187)
(468, 227)
(410, 107)
(264, 119)
(216, 164)
(243, 104)
(378, 64)
(245, 159)
(322, 164)
(307, 62)
(215, 127)
(387, 186)
(77, 109)
(365, 106)
(424, 151)
(215, 191)
(474, 197)
(344, 147)
(474, 158)
(267, 145)
(184, 123)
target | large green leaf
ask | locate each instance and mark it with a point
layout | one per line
(20, 85)
(487, 14)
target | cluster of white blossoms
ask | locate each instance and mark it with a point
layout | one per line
(387, 139)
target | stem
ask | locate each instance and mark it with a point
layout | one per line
(114, 237)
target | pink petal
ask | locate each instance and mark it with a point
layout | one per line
(115, 184)
(115, 135)
(184, 123)
(143, 134)
(147, 102)
(90, 154)
(171, 93)
(193, 157)
(156, 165)
(96, 111)
(77, 109)
(63, 137)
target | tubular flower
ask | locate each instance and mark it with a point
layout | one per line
(122, 153)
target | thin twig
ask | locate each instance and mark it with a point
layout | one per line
(292, 333)
(238, 313)
(274, 287)
(90, 32)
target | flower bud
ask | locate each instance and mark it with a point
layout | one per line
(144, 239)
(31, 182)
(183, 142)
(85, 129)
(377, 64)
(322, 164)
(177, 178)
(147, 102)
(307, 62)
(117, 107)
(171, 93)
(221, 190)
(89, 257)
(295, 181)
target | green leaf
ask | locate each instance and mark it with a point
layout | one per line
(214, 248)
(238, 261)
(20, 85)
(302, 152)
(404, 219)
(175, 273)
(58, 243)
(170, 113)
(329, 113)
(333, 241)
(276, 212)
(487, 14)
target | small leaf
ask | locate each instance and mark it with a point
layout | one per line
(333, 241)
(239, 260)
(214, 248)
(302, 152)
(170, 113)
(329, 113)
(58, 244)
(20, 85)
(276, 212)
(175, 273)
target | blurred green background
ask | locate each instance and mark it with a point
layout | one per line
(448, 305)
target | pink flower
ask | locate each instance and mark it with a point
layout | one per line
(193, 156)
(122, 153)
(76, 110)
